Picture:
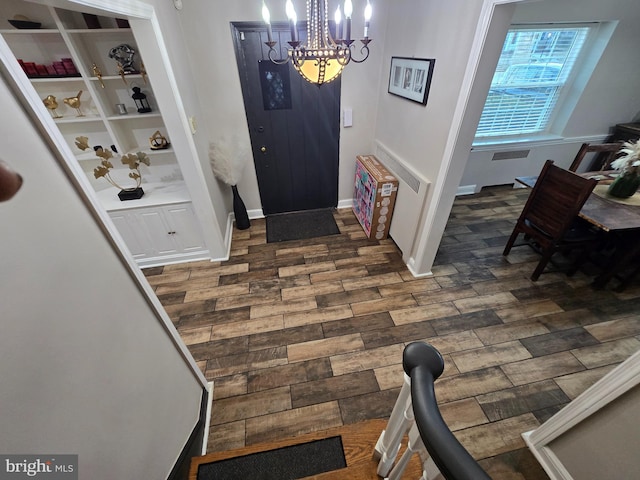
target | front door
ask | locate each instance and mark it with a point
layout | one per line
(294, 126)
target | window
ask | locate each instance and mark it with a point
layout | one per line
(534, 67)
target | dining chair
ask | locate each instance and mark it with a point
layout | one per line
(549, 216)
(606, 154)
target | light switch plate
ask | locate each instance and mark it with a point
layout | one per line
(347, 117)
(192, 125)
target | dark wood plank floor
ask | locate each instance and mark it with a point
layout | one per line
(308, 335)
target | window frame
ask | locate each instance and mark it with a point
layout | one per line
(563, 105)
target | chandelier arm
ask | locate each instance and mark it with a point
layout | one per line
(364, 51)
(280, 61)
(345, 58)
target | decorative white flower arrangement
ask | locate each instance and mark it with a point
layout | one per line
(629, 161)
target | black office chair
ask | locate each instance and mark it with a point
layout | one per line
(549, 216)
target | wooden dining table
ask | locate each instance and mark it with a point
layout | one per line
(612, 215)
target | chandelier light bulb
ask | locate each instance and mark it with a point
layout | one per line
(320, 58)
(291, 12)
(367, 18)
(267, 19)
(348, 8)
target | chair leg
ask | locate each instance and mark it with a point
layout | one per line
(546, 256)
(510, 242)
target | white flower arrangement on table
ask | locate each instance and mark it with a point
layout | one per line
(629, 162)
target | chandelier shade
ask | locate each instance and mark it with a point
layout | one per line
(322, 57)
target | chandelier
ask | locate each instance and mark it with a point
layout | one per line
(322, 58)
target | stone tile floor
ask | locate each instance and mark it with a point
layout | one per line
(306, 335)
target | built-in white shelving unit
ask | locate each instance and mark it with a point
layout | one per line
(161, 226)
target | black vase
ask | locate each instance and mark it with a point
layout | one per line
(239, 210)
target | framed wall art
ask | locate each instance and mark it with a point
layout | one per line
(410, 78)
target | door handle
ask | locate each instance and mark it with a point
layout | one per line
(263, 149)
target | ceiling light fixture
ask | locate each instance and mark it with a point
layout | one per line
(322, 58)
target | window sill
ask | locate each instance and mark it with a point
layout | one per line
(532, 141)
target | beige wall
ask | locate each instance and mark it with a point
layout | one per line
(605, 444)
(87, 366)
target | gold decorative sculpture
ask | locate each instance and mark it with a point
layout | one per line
(122, 73)
(158, 141)
(51, 103)
(97, 73)
(74, 102)
(143, 72)
(132, 160)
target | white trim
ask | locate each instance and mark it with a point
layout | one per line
(533, 142)
(255, 213)
(348, 203)
(207, 421)
(466, 189)
(617, 382)
(420, 257)
(412, 269)
(173, 259)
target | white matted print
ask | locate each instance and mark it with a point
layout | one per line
(411, 78)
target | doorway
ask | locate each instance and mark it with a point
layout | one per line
(294, 125)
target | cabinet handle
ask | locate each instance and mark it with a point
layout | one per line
(171, 233)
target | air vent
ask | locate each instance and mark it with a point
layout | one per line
(510, 155)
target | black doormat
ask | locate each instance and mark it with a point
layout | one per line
(299, 225)
(287, 463)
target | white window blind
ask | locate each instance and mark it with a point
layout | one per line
(533, 69)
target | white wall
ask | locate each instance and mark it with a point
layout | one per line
(86, 365)
(610, 96)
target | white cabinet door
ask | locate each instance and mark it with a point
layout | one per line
(187, 233)
(130, 234)
(162, 232)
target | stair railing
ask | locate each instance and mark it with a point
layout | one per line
(416, 415)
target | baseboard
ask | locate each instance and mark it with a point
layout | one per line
(205, 439)
(348, 203)
(466, 190)
(411, 267)
(255, 213)
(193, 446)
(172, 259)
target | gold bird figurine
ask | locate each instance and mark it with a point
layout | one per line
(74, 102)
(51, 103)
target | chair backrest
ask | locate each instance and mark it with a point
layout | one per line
(556, 200)
(607, 152)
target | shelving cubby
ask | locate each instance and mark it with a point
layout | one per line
(66, 34)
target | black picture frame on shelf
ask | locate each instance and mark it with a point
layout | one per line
(410, 78)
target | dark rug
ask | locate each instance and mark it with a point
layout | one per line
(287, 463)
(299, 225)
